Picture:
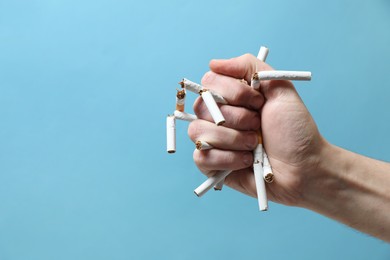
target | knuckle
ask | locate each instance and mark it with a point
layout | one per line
(240, 95)
(195, 130)
(199, 158)
(208, 77)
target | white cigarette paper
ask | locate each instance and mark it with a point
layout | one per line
(267, 170)
(197, 88)
(210, 182)
(212, 107)
(260, 187)
(191, 86)
(202, 145)
(184, 116)
(263, 53)
(171, 134)
(284, 75)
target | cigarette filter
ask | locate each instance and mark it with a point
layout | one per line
(171, 134)
(284, 75)
(260, 187)
(212, 107)
(180, 100)
(210, 182)
(202, 145)
(184, 116)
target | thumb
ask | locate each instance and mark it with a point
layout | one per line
(243, 67)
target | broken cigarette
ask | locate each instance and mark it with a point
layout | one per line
(212, 107)
(184, 116)
(260, 186)
(283, 75)
(210, 182)
(267, 170)
(202, 145)
(180, 100)
(259, 150)
(262, 55)
(197, 88)
(219, 185)
(171, 134)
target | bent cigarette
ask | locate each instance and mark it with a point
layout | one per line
(197, 88)
(184, 116)
(180, 100)
(212, 107)
(210, 182)
(267, 170)
(171, 134)
(202, 145)
(260, 186)
(283, 75)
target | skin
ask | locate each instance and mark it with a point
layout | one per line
(309, 172)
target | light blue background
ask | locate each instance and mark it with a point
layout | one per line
(85, 87)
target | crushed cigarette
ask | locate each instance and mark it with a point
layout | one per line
(184, 116)
(197, 88)
(171, 134)
(212, 106)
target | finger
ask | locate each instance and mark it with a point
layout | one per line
(222, 137)
(209, 161)
(236, 92)
(241, 67)
(242, 180)
(238, 118)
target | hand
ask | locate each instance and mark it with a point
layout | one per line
(290, 136)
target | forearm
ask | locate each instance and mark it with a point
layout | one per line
(352, 189)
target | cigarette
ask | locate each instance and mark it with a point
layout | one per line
(180, 100)
(260, 186)
(283, 75)
(259, 151)
(184, 116)
(212, 107)
(202, 145)
(197, 88)
(171, 134)
(267, 170)
(262, 55)
(210, 182)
